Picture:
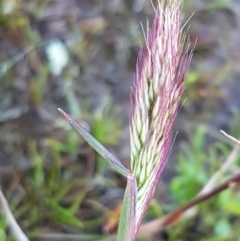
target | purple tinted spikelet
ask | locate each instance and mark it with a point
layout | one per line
(161, 69)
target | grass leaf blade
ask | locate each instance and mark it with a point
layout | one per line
(127, 226)
(114, 162)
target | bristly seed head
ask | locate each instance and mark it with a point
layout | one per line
(161, 70)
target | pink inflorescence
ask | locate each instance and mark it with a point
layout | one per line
(158, 85)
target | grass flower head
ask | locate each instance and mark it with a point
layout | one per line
(158, 85)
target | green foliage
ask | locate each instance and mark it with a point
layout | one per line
(191, 168)
(217, 219)
(218, 4)
(46, 189)
(3, 228)
(192, 78)
(54, 193)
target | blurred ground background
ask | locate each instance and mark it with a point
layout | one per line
(80, 55)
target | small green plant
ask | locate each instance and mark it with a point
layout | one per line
(197, 165)
(194, 162)
(155, 97)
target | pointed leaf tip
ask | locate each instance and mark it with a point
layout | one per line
(98, 147)
(65, 115)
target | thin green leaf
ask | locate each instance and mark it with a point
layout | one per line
(113, 161)
(65, 216)
(127, 227)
